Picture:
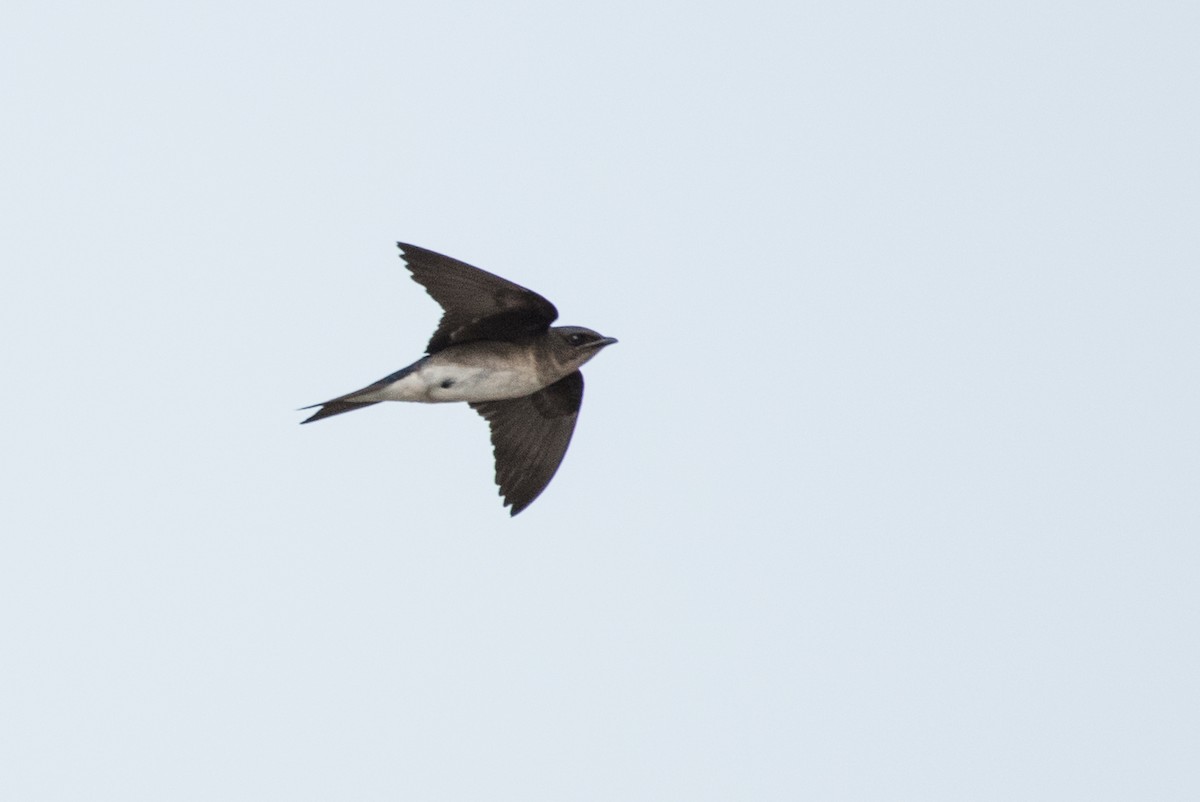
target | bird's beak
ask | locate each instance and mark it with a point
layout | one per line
(605, 341)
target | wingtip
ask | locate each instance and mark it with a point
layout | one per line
(407, 253)
(517, 506)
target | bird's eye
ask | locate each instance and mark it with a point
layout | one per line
(576, 339)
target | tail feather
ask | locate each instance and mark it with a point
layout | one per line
(339, 405)
(336, 407)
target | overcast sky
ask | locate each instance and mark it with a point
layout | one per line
(890, 491)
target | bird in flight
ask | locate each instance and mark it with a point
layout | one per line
(495, 349)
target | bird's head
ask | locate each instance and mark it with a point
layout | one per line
(575, 345)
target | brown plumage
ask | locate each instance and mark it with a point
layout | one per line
(495, 349)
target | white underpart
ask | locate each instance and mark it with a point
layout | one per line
(466, 383)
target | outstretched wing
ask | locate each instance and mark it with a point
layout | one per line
(477, 305)
(530, 435)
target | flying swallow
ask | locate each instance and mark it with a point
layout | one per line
(495, 349)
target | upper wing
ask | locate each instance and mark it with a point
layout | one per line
(476, 304)
(530, 435)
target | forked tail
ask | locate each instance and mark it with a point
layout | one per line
(336, 407)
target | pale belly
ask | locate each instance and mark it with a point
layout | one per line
(434, 384)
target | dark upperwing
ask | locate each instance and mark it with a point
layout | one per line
(530, 436)
(477, 305)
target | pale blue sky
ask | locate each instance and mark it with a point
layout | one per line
(888, 492)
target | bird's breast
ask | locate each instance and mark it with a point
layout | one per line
(435, 381)
(476, 383)
(476, 372)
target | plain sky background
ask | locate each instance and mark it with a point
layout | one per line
(888, 492)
